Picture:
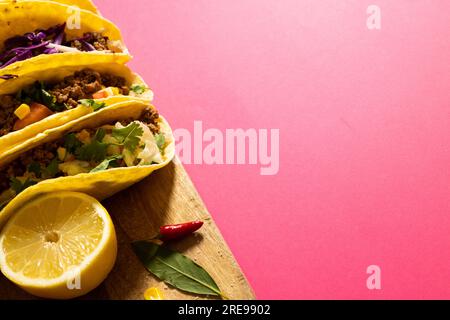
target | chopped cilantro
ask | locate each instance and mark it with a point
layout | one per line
(129, 136)
(138, 88)
(71, 143)
(111, 161)
(48, 172)
(19, 186)
(47, 98)
(95, 151)
(50, 101)
(51, 170)
(35, 168)
(38, 93)
(92, 103)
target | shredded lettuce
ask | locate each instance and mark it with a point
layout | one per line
(160, 141)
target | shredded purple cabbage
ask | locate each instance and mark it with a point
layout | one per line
(32, 44)
(9, 76)
(85, 42)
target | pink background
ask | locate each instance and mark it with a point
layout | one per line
(365, 134)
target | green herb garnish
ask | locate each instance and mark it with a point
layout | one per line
(108, 162)
(47, 173)
(19, 186)
(50, 101)
(138, 88)
(92, 103)
(129, 137)
(176, 269)
(35, 168)
(95, 151)
(52, 169)
(38, 93)
(71, 143)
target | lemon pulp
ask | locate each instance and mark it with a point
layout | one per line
(51, 237)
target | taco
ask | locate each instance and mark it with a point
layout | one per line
(41, 99)
(83, 4)
(35, 31)
(99, 154)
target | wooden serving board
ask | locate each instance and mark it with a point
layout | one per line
(166, 197)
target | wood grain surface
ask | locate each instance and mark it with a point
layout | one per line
(166, 197)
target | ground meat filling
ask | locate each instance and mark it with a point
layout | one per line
(8, 104)
(4, 181)
(97, 40)
(149, 117)
(82, 85)
(43, 155)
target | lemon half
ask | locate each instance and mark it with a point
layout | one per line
(59, 246)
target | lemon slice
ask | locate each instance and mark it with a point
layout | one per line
(59, 246)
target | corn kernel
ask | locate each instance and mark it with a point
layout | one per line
(153, 294)
(22, 111)
(62, 152)
(115, 91)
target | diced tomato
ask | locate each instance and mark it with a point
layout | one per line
(37, 113)
(100, 95)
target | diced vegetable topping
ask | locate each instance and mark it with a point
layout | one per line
(37, 113)
(22, 111)
(107, 92)
(123, 144)
(83, 87)
(92, 103)
(100, 95)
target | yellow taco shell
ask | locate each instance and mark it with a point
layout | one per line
(100, 185)
(63, 66)
(82, 4)
(18, 18)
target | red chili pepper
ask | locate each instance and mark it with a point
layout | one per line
(178, 231)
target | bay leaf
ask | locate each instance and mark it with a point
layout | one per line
(145, 250)
(176, 269)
